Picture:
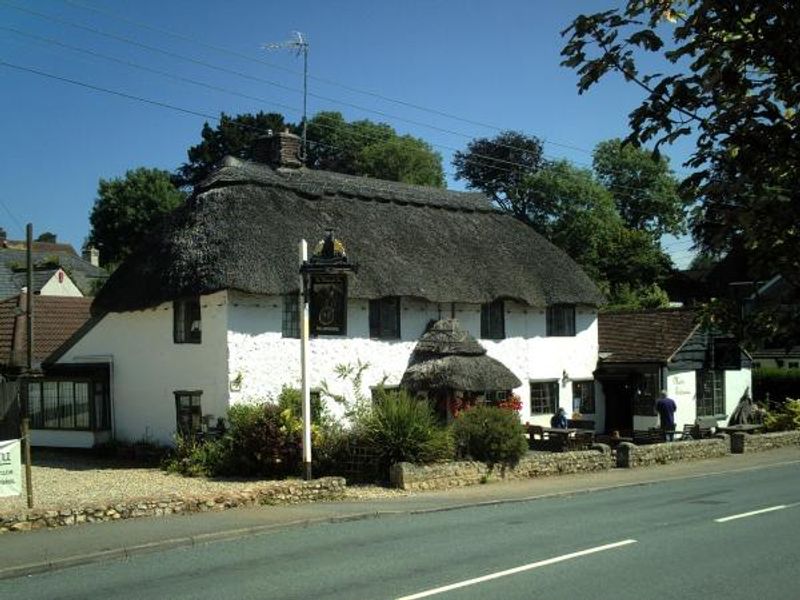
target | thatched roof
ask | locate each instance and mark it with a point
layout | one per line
(447, 357)
(241, 228)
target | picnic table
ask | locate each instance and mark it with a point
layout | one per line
(741, 428)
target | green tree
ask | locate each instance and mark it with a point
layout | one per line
(404, 159)
(48, 237)
(498, 167)
(371, 149)
(127, 208)
(725, 76)
(643, 186)
(233, 136)
(577, 213)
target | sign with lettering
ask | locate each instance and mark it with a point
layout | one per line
(328, 304)
(10, 468)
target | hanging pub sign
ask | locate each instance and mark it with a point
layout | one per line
(325, 281)
(328, 306)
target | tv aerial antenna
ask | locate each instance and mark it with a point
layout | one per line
(299, 45)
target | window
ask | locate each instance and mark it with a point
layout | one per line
(495, 397)
(794, 365)
(645, 392)
(188, 412)
(493, 323)
(583, 397)
(560, 320)
(384, 318)
(186, 322)
(710, 393)
(68, 404)
(544, 397)
(290, 326)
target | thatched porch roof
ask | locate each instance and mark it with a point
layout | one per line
(447, 357)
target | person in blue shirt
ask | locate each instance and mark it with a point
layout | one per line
(559, 420)
(665, 407)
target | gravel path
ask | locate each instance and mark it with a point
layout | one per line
(61, 482)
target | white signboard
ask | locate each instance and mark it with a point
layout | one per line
(10, 468)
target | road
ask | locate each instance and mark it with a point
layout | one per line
(732, 535)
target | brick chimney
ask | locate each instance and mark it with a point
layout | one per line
(92, 255)
(278, 150)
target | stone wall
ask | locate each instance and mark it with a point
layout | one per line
(743, 442)
(408, 476)
(279, 492)
(629, 455)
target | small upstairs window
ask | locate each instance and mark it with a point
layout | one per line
(561, 320)
(186, 324)
(290, 326)
(493, 323)
(384, 318)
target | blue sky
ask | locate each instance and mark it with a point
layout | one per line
(496, 65)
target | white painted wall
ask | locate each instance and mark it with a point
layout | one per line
(682, 387)
(65, 287)
(149, 367)
(736, 384)
(266, 361)
(52, 438)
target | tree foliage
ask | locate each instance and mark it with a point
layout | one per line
(644, 189)
(371, 149)
(233, 136)
(127, 208)
(573, 208)
(726, 76)
(499, 166)
(356, 148)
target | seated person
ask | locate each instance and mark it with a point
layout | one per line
(559, 420)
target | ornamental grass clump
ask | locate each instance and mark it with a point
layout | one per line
(491, 435)
(400, 428)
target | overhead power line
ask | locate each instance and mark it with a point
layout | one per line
(262, 80)
(136, 98)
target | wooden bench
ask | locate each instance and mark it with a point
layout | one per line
(649, 436)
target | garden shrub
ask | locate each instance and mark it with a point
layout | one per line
(489, 434)
(261, 440)
(785, 418)
(401, 428)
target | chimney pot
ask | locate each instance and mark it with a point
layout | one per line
(92, 255)
(278, 150)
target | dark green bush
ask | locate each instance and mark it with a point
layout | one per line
(490, 434)
(401, 428)
(260, 441)
(774, 386)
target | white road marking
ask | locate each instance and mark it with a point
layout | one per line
(752, 513)
(515, 570)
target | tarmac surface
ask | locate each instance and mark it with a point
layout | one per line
(46, 550)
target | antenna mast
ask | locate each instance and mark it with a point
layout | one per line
(300, 46)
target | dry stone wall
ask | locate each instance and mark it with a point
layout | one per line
(280, 492)
(408, 476)
(743, 442)
(630, 455)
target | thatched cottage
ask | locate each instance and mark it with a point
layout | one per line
(205, 315)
